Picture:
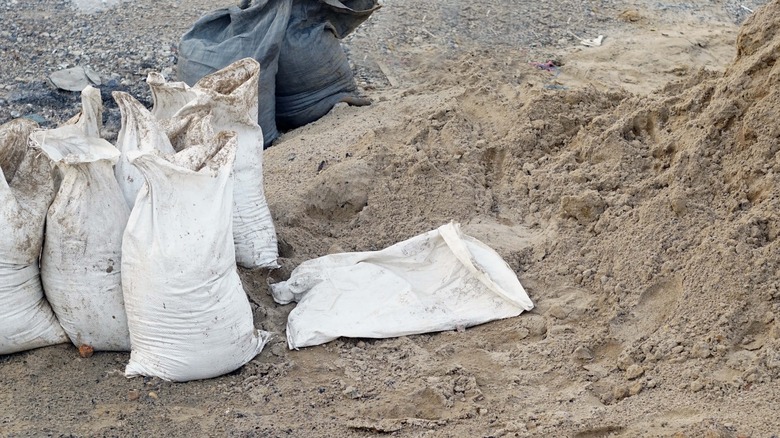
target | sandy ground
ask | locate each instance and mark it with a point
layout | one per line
(633, 188)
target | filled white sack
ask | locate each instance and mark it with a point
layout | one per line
(188, 313)
(82, 252)
(135, 135)
(26, 190)
(229, 98)
(437, 281)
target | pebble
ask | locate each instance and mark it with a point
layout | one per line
(86, 351)
(536, 325)
(636, 388)
(153, 395)
(133, 394)
(697, 385)
(620, 392)
(351, 392)
(701, 350)
(558, 311)
(624, 361)
(634, 372)
(583, 353)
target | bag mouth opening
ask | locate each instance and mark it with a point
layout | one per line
(232, 78)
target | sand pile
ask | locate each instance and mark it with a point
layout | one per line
(651, 221)
(673, 211)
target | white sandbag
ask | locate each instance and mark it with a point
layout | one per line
(81, 259)
(437, 281)
(188, 313)
(229, 97)
(134, 135)
(26, 190)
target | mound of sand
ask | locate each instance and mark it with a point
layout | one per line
(646, 226)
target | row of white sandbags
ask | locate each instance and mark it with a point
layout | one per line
(145, 257)
(26, 191)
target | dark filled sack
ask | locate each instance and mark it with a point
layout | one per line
(304, 71)
(314, 73)
(229, 34)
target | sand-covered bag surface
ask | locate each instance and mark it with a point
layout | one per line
(636, 200)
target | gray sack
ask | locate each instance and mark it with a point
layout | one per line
(314, 73)
(226, 35)
(303, 69)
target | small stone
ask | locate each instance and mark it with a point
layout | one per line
(624, 361)
(775, 331)
(351, 392)
(536, 325)
(586, 208)
(583, 353)
(619, 392)
(86, 351)
(133, 394)
(630, 16)
(634, 372)
(557, 311)
(679, 206)
(636, 388)
(701, 350)
(153, 395)
(697, 385)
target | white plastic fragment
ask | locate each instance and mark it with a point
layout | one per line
(26, 190)
(188, 314)
(595, 42)
(437, 281)
(80, 263)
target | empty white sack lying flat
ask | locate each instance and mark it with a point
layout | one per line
(188, 314)
(26, 190)
(81, 259)
(437, 281)
(228, 98)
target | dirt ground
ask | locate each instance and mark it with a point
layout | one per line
(633, 187)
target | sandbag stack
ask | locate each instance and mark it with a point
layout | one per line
(139, 249)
